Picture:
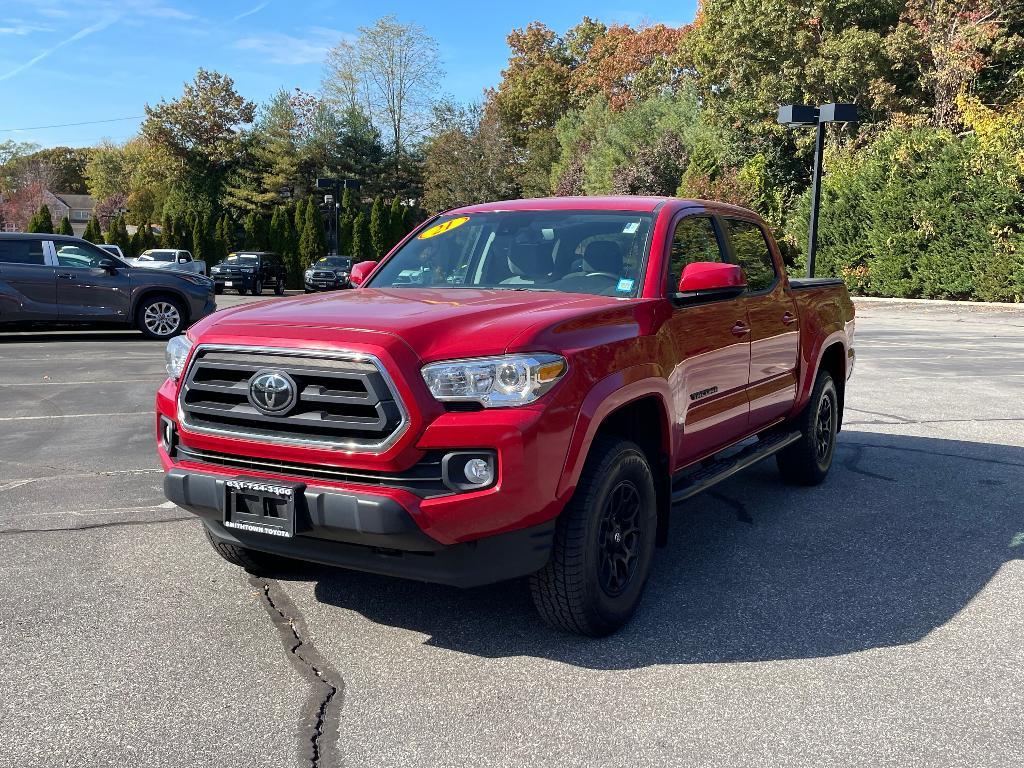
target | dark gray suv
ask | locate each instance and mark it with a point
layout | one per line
(54, 279)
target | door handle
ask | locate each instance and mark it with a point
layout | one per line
(740, 329)
(64, 276)
(788, 319)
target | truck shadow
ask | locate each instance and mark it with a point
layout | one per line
(905, 532)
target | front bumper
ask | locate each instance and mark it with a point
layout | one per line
(368, 532)
(237, 281)
(324, 285)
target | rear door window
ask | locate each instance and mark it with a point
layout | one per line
(752, 253)
(22, 252)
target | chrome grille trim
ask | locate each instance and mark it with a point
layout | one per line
(325, 359)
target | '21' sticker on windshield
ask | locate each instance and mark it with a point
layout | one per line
(444, 226)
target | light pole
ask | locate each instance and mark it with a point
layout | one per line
(802, 116)
(334, 205)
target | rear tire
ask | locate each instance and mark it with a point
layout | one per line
(604, 544)
(252, 560)
(160, 317)
(808, 460)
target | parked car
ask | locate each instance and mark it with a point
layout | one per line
(249, 272)
(328, 274)
(170, 258)
(55, 279)
(595, 363)
(114, 249)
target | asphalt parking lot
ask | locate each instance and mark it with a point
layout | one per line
(877, 620)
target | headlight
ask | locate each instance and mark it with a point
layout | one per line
(342, 275)
(248, 270)
(197, 279)
(176, 355)
(495, 382)
(309, 274)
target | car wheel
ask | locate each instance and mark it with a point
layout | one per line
(242, 291)
(604, 544)
(160, 317)
(279, 287)
(218, 290)
(252, 560)
(808, 460)
(257, 288)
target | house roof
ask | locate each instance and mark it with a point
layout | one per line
(76, 201)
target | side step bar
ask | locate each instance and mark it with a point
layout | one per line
(689, 484)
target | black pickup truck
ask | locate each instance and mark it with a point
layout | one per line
(50, 279)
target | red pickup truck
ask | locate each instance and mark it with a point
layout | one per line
(522, 388)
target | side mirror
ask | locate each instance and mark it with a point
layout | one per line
(710, 278)
(360, 272)
(108, 264)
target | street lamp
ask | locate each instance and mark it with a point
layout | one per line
(802, 116)
(335, 185)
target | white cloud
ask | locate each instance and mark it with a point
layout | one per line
(99, 26)
(280, 48)
(19, 27)
(251, 11)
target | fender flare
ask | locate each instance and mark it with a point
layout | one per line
(604, 398)
(809, 374)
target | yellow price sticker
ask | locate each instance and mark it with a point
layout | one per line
(444, 226)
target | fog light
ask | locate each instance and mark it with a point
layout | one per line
(479, 472)
(469, 470)
(168, 436)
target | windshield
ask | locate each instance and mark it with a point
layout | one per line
(333, 263)
(596, 252)
(157, 256)
(243, 257)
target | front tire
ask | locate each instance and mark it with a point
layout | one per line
(604, 544)
(808, 460)
(257, 288)
(279, 287)
(252, 560)
(160, 317)
(242, 291)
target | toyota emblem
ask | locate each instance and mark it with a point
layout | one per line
(272, 392)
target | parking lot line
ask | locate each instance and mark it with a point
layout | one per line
(75, 416)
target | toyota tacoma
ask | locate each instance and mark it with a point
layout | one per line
(523, 388)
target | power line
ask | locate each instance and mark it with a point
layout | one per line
(70, 125)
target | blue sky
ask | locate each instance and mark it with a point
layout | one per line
(74, 61)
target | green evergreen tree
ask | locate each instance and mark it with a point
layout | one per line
(300, 220)
(199, 246)
(41, 221)
(167, 231)
(278, 234)
(360, 237)
(312, 245)
(136, 243)
(93, 232)
(149, 238)
(117, 234)
(379, 228)
(65, 227)
(345, 227)
(396, 219)
(227, 233)
(183, 234)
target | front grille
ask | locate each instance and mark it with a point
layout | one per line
(424, 478)
(344, 401)
(324, 276)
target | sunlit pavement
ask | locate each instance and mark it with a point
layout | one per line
(877, 620)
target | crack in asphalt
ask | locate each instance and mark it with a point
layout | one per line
(323, 708)
(852, 462)
(122, 523)
(737, 506)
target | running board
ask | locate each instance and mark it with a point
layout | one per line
(690, 484)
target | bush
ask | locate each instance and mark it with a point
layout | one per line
(920, 213)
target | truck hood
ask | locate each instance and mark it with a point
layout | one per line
(435, 323)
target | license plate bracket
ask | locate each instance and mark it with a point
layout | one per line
(261, 506)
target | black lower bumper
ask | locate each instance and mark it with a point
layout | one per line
(367, 532)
